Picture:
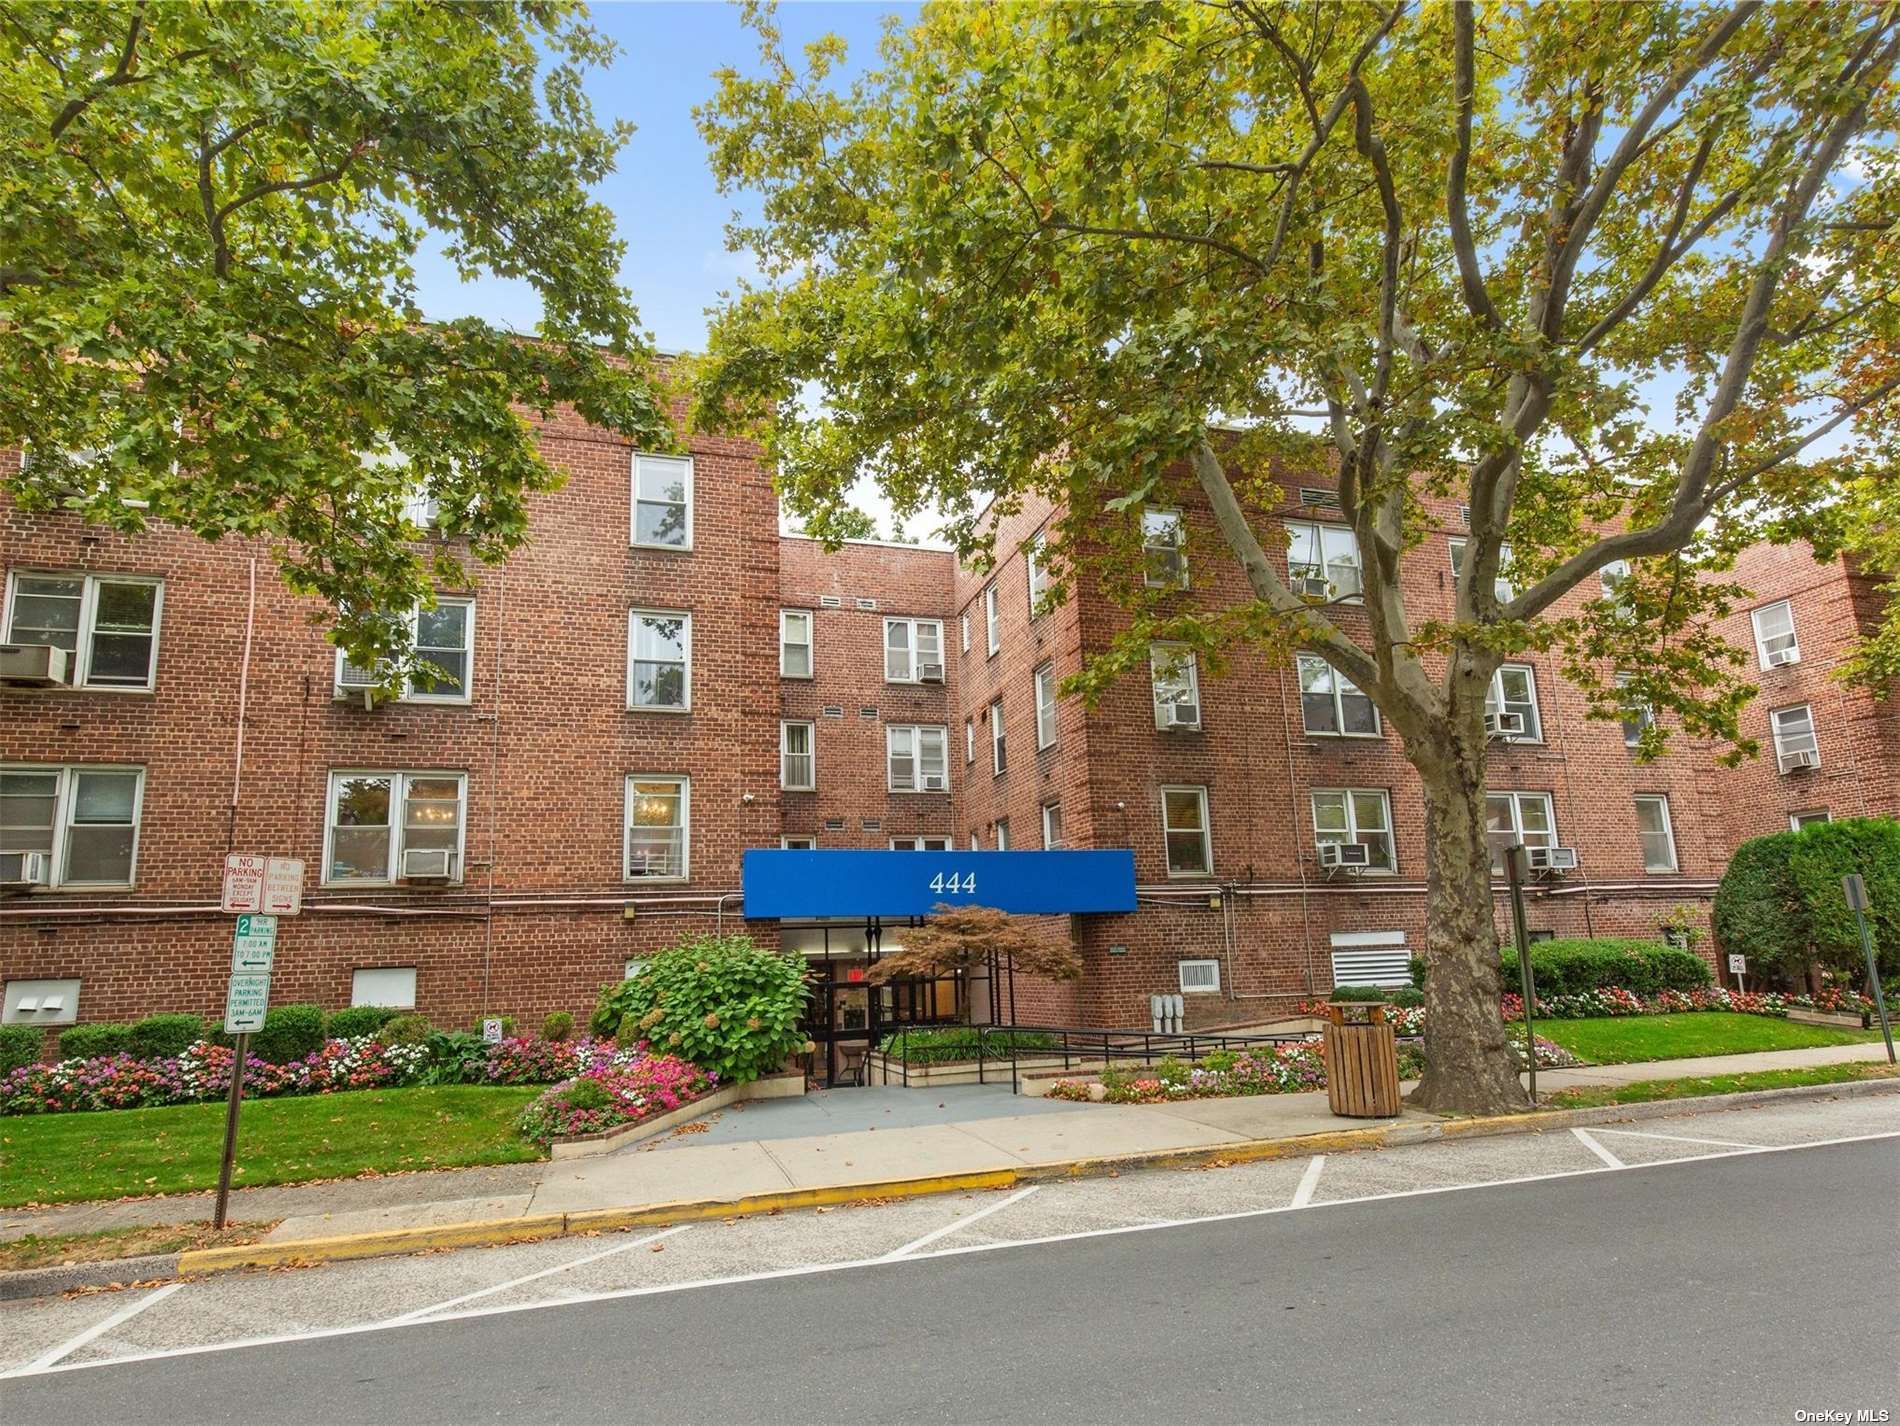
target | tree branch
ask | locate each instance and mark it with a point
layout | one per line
(1457, 207)
(121, 75)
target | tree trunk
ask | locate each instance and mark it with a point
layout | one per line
(1470, 1066)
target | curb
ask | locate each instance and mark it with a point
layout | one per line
(538, 1227)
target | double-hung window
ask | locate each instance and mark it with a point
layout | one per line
(1614, 576)
(798, 758)
(1775, 640)
(108, 623)
(1331, 705)
(992, 622)
(963, 632)
(1184, 831)
(1655, 833)
(1051, 825)
(1164, 549)
(1512, 703)
(659, 660)
(1036, 569)
(1045, 707)
(1323, 560)
(663, 502)
(1637, 714)
(1002, 834)
(1514, 817)
(969, 741)
(1502, 589)
(999, 744)
(794, 643)
(70, 826)
(659, 823)
(1177, 686)
(1356, 814)
(920, 844)
(1795, 742)
(915, 758)
(913, 651)
(443, 639)
(386, 826)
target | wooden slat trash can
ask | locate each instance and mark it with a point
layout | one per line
(1362, 1060)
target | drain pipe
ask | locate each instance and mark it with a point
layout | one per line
(244, 699)
(719, 911)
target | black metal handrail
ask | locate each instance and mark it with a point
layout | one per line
(1073, 1044)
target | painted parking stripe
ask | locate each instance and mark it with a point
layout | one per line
(535, 1277)
(92, 1334)
(1309, 1181)
(810, 1269)
(934, 1234)
(1589, 1142)
(1679, 1138)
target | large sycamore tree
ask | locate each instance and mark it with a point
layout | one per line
(1112, 254)
(210, 216)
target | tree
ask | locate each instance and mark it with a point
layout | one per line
(962, 938)
(1118, 254)
(1758, 909)
(209, 216)
(1781, 904)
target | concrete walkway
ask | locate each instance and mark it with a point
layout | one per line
(962, 1129)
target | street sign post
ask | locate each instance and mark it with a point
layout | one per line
(491, 1031)
(243, 882)
(283, 886)
(244, 1005)
(253, 948)
(1856, 891)
(258, 889)
(1738, 967)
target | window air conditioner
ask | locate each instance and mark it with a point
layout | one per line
(1805, 757)
(1778, 657)
(34, 666)
(1344, 854)
(23, 869)
(1314, 585)
(930, 673)
(935, 782)
(1551, 858)
(1181, 715)
(428, 864)
(1504, 725)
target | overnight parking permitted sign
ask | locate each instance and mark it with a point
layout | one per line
(245, 1003)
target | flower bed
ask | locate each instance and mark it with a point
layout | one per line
(609, 1095)
(1407, 1021)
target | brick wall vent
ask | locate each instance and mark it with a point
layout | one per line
(868, 711)
(867, 604)
(833, 710)
(830, 601)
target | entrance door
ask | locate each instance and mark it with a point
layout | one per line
(853, 1030)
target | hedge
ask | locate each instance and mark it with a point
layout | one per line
(1780, 902)
(1758, 911)
(358, 1020)
(1566, 967)
(85, 1042)
(290, 1033)
(157, 1036)
(953, 1044)
(19, 1045)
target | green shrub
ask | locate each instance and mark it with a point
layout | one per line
(1565, 967)
(1418, 971)
(720, 1002)
(557, 1026)
(1356, 993)
(584, 1094)
(1407, 997)
(20, 1045)
(85, 1042)
(1825, 852)
(456, 1057)
(290, 1032)
(950, 1044)
(158, 1036)
(1758, 908)
(408, 1028)
(358, 1020)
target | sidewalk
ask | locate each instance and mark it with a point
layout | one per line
(745, 1160)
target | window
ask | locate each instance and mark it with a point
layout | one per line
(659, 824)
(999, 747)
(83, 820)
(797, 759)
(1164, 549)
(1809, 818)
(798, 844)
(443, 639)
(1775, 640)
(1045, 707)
(659, 660)
(991, 617)
(392, 987)
(1356, 814)
(920, 844)
(1615, 575)
(663, 502)
(1184, 829)
(1655, 833)
(915, 758)
(794, 643)
(969, 741)
(1002, 834)
(1323, 560)
(912, 647)
(1036, 568)
(1331, 705)
(1199, 977)
(1795, 743)
(1177, 686)
(1514, 694)
(1514, 817)
(1501, 587)
(975, 844)
(963, 631)
(108, 623)
(1638, 716)
(382, 825)
(1051, 824)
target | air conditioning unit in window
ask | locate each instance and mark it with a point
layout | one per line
(1551, 858)
(34, 666)
(1181, 715)
(1504, 725)
(428, 864)
(20, 870)
(1805, 757)
(1335, 855)
(353, 679)
(935, 782)
(930, 673)
(1777, 658)
(1313, 585)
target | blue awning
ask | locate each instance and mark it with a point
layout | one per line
(843, 883)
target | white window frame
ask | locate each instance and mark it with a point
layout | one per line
(1045, 682)
(1341, 684)
(999, 740)
(1035, 573)
(1636, 713)
(1791, 743)
(963, 631)
(89, 621)
(1667, 833)
(1517, 800)
(633, 530)
(992, 616)
(65, 798)
(1002, 834)
(1163, 537)
(798, 844)
(1353, 832)
(1502, 589)
(1763, 638)
(1209, 963)
(912, 650)
(1323, 540)
(684, 785)
(785, 754)
(969, 741)
(1612, 577)
(786, 618)
(685, 705)
(919, 734)
(922, 844)
(1051, 814)
(1206, 830)
(1165, 663)
(399, 782)
(1494, 702)
(414, 620)
(1808, 817)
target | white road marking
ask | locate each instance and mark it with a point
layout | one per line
(93, 1333)
(963, 1222)
(1678, 1138)
(810, 1269)
(1309, 1181)
(1584, 1138)
(534, 1277)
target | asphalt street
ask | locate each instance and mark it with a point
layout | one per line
(1735, 1267)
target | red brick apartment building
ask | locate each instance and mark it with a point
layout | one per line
(660, 680)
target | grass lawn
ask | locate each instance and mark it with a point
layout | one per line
(60, 1158)
(1627, 1039)
(1649, 1090)
(60, 1249)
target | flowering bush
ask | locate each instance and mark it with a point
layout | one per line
(1407, 1021)
(1074, 1090)
(611, 1094)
